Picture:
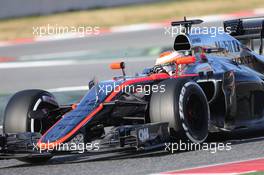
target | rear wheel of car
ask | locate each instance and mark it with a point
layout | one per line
(17, 115)
(184, 106)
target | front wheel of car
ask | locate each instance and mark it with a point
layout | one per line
(17, 115)
(184, 106)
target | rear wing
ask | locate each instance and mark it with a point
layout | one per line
(246, 29)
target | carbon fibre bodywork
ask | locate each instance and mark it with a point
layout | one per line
(95, 96)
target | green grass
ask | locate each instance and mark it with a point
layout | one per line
(255, 173)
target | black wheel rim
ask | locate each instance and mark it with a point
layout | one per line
(195, 114)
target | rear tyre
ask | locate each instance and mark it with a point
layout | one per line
(184, 106)
(17, 119)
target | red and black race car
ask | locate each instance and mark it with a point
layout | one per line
(215, 83)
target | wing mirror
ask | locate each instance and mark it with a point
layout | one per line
(119, 65)
(185, 60)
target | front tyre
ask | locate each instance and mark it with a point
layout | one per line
(17, 115)
(184, 106)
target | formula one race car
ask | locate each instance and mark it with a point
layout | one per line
(216, 83)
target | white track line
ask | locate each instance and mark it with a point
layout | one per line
(36, 64)
(69, 88)
(57, 55)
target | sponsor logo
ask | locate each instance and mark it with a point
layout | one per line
(143, 134)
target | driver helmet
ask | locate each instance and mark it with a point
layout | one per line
(166, 60)
(168, 57)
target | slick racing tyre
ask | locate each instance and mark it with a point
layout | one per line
(184, 106)
(17, 115)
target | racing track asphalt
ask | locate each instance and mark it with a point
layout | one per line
(136, 163)
(62, 76)
(79, 74)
